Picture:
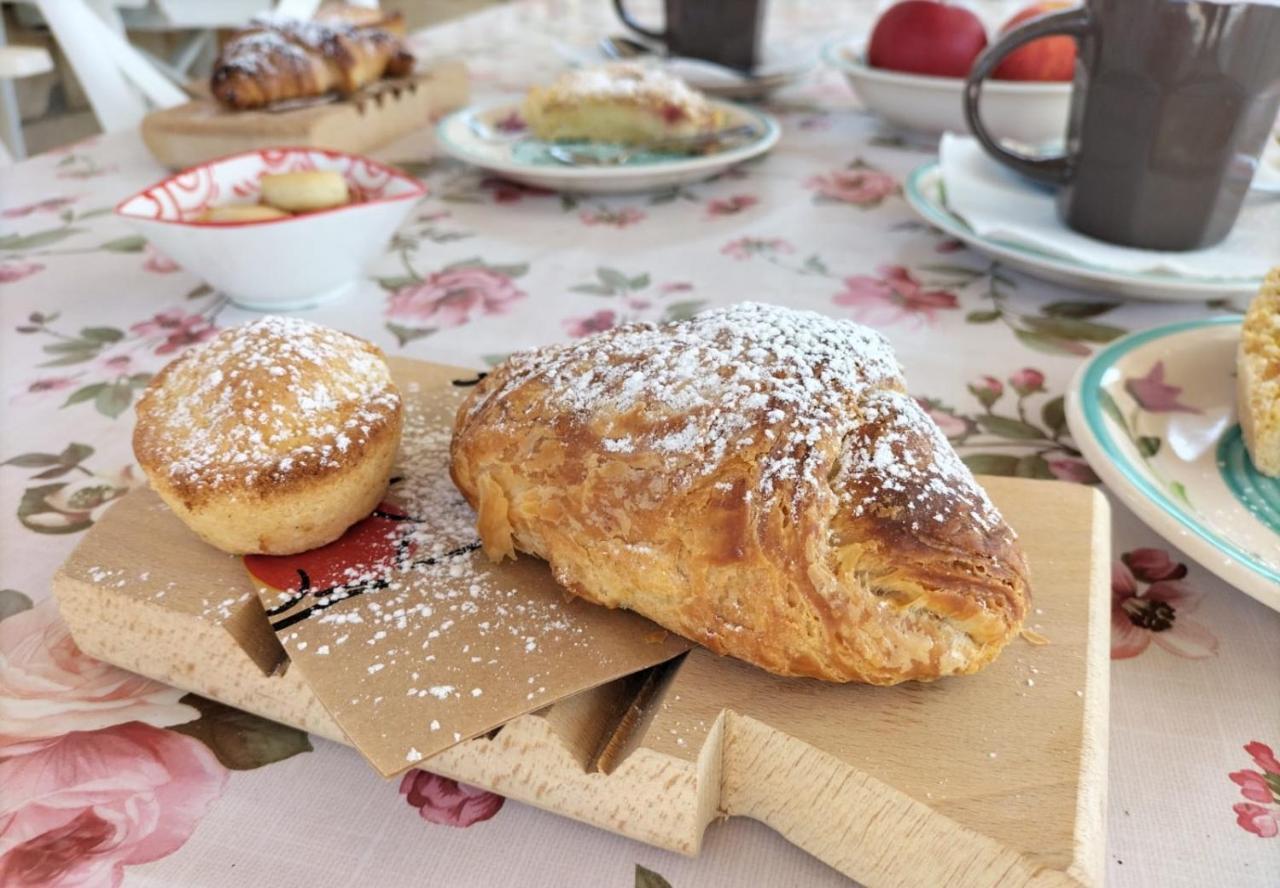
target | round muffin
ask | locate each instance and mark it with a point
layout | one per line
(272, 438)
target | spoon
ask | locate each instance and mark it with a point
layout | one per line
(622, 48)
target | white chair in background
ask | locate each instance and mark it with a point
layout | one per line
(120, 83)
(16, 62)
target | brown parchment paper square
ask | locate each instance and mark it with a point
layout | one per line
(410, 636)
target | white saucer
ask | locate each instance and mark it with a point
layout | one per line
(1154, 414)
(924, 192)
(782, 65)
(475, 136)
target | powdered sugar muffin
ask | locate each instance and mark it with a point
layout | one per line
(272, 438)
(624, 103)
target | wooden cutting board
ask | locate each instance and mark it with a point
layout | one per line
(382, 112)
(997, 777)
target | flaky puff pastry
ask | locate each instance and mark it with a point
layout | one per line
(756, 479)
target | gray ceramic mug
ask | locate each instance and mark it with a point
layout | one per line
(1172, 102)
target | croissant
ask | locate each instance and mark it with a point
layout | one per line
(290, 59)
(755, 479)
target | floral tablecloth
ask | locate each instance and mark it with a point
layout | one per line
(106, 777)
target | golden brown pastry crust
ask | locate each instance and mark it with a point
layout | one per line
(1258, 377)
(755, 479)
(289, 59)
(274, 437)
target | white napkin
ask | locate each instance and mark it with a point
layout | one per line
(1000, 205)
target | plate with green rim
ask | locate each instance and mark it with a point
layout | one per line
(492, 136)
(1154, 413)
(926, 194)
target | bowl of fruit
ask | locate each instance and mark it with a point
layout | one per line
(911, 72)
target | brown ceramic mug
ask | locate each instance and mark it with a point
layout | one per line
(1171, 104)
(723, 31)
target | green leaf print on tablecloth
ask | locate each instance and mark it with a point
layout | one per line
(1058, 328)
(13, 602)
(241, 741)
(983, 437)
(66, 506)
(632, 297)
(647, 878)
(109, 361)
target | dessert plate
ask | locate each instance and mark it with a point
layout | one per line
(1154, 414)
(925, 193)
(493, 137)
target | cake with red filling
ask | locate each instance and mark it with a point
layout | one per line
(621, 103)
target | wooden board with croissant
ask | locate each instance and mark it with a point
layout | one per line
(347, 86)
(967, 780)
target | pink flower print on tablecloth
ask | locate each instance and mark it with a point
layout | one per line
(158, 263)
(746, 247)
(179, 328)
(453, 297)
(893, 295)
(859, 185)
(448, 802)
(16, 271)
(1260, 821)
(729, 206)
(614, 218)
(505, 191)
(51, 205)
(1154, 395)
(43, 387)
(48, 688)
(1027, 381)
(952, 426)
(83, 806)
(596, 322)
(1261, 814)
(1158, 613)
(1068, 468)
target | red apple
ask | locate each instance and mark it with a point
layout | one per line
(1049, 58)
(369, 546)
(926, 37)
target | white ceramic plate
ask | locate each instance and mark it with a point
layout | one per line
(1154, 414)
(924, 191)
(1030, 113)
(782, 65)
(484, 136)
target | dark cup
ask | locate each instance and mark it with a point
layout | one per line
(1171, 104)
(723, 31)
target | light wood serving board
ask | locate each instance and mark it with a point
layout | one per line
(382, 112)
(994, 778)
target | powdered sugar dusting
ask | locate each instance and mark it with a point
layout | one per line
(267, 399)
(817, 405)
(716, 384)
(627, 81)
(429, 632)
(899, 458)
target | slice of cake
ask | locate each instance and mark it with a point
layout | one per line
(1258, 377)
(622, 103)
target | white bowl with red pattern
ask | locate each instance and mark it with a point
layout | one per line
(275, 264)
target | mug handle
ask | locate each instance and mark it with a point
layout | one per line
(620, 6)
(1053, 170)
